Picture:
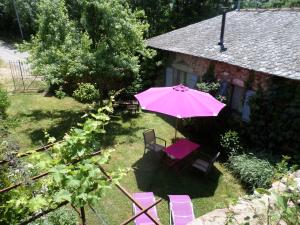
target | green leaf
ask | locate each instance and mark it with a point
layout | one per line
(62, 195)
(73, 183)
(281, 201)
(37, 203)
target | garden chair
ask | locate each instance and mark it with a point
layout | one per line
(132, 106)
(181, 210)
(145, 199)
(205, 166)
(150, 141)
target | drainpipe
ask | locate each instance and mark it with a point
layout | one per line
(221, 43)
(238, 5)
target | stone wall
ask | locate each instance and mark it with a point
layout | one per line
(233, 74)
(253, 209)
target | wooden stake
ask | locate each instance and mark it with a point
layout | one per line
(82, 213)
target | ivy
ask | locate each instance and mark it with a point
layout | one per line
(275, 118)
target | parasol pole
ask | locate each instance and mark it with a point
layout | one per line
(176, 129)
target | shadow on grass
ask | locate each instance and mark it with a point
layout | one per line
(153, 176)
(202, 130)
(115, 129)
(64, 120)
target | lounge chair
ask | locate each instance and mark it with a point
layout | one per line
(205, 166)
(150, 141)
(181, 210)
(145, 199)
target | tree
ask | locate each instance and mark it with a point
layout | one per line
(104, 45)
(269, 3)
(117, 35)
(166, 15)
(27, 13)
(58, 50)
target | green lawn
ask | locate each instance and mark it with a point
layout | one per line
(34, 114)
(150, 174)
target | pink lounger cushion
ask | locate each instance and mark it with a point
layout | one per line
(145, 199)
(181, 209)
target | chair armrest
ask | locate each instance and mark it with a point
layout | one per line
(162, 140)
(205, 156)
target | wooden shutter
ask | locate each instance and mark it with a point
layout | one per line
(223, 91)
(191, 80)
(237, 99)
(246, 108)
(169, 77)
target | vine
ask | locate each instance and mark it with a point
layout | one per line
(73, 175)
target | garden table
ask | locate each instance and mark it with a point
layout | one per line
(181, 149)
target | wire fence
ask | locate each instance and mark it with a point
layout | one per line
(22, 77)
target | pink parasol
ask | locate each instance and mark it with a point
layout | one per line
(179, 101)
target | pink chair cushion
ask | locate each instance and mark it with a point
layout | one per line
(145, 199)
(181, 209)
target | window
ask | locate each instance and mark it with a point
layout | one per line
(176, 76)
(179, 77)
(237, 98)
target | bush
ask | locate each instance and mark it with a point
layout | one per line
(60, 93)
(86, 93)
(4, 102)
(230, 142)
(62, 216)
(251, 170)
(282, 168)
(212, 87)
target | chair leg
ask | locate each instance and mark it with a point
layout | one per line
(170, 213)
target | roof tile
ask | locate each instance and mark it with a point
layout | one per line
(266, 41)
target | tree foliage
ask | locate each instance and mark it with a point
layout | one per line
(99, 41)
(166, 15)
(27, 14)
(269, 3)
(117, 35)
(58, 50)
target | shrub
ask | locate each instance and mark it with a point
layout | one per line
(282, 168)
(251, 170)
(86, 93)
(230, 142)
(60, 93)
(4, 102)
(208, 87)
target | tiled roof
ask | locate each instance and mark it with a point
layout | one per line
(266, 41)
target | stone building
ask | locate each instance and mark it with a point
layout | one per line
(259, 44)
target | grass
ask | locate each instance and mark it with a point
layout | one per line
(34, 114)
